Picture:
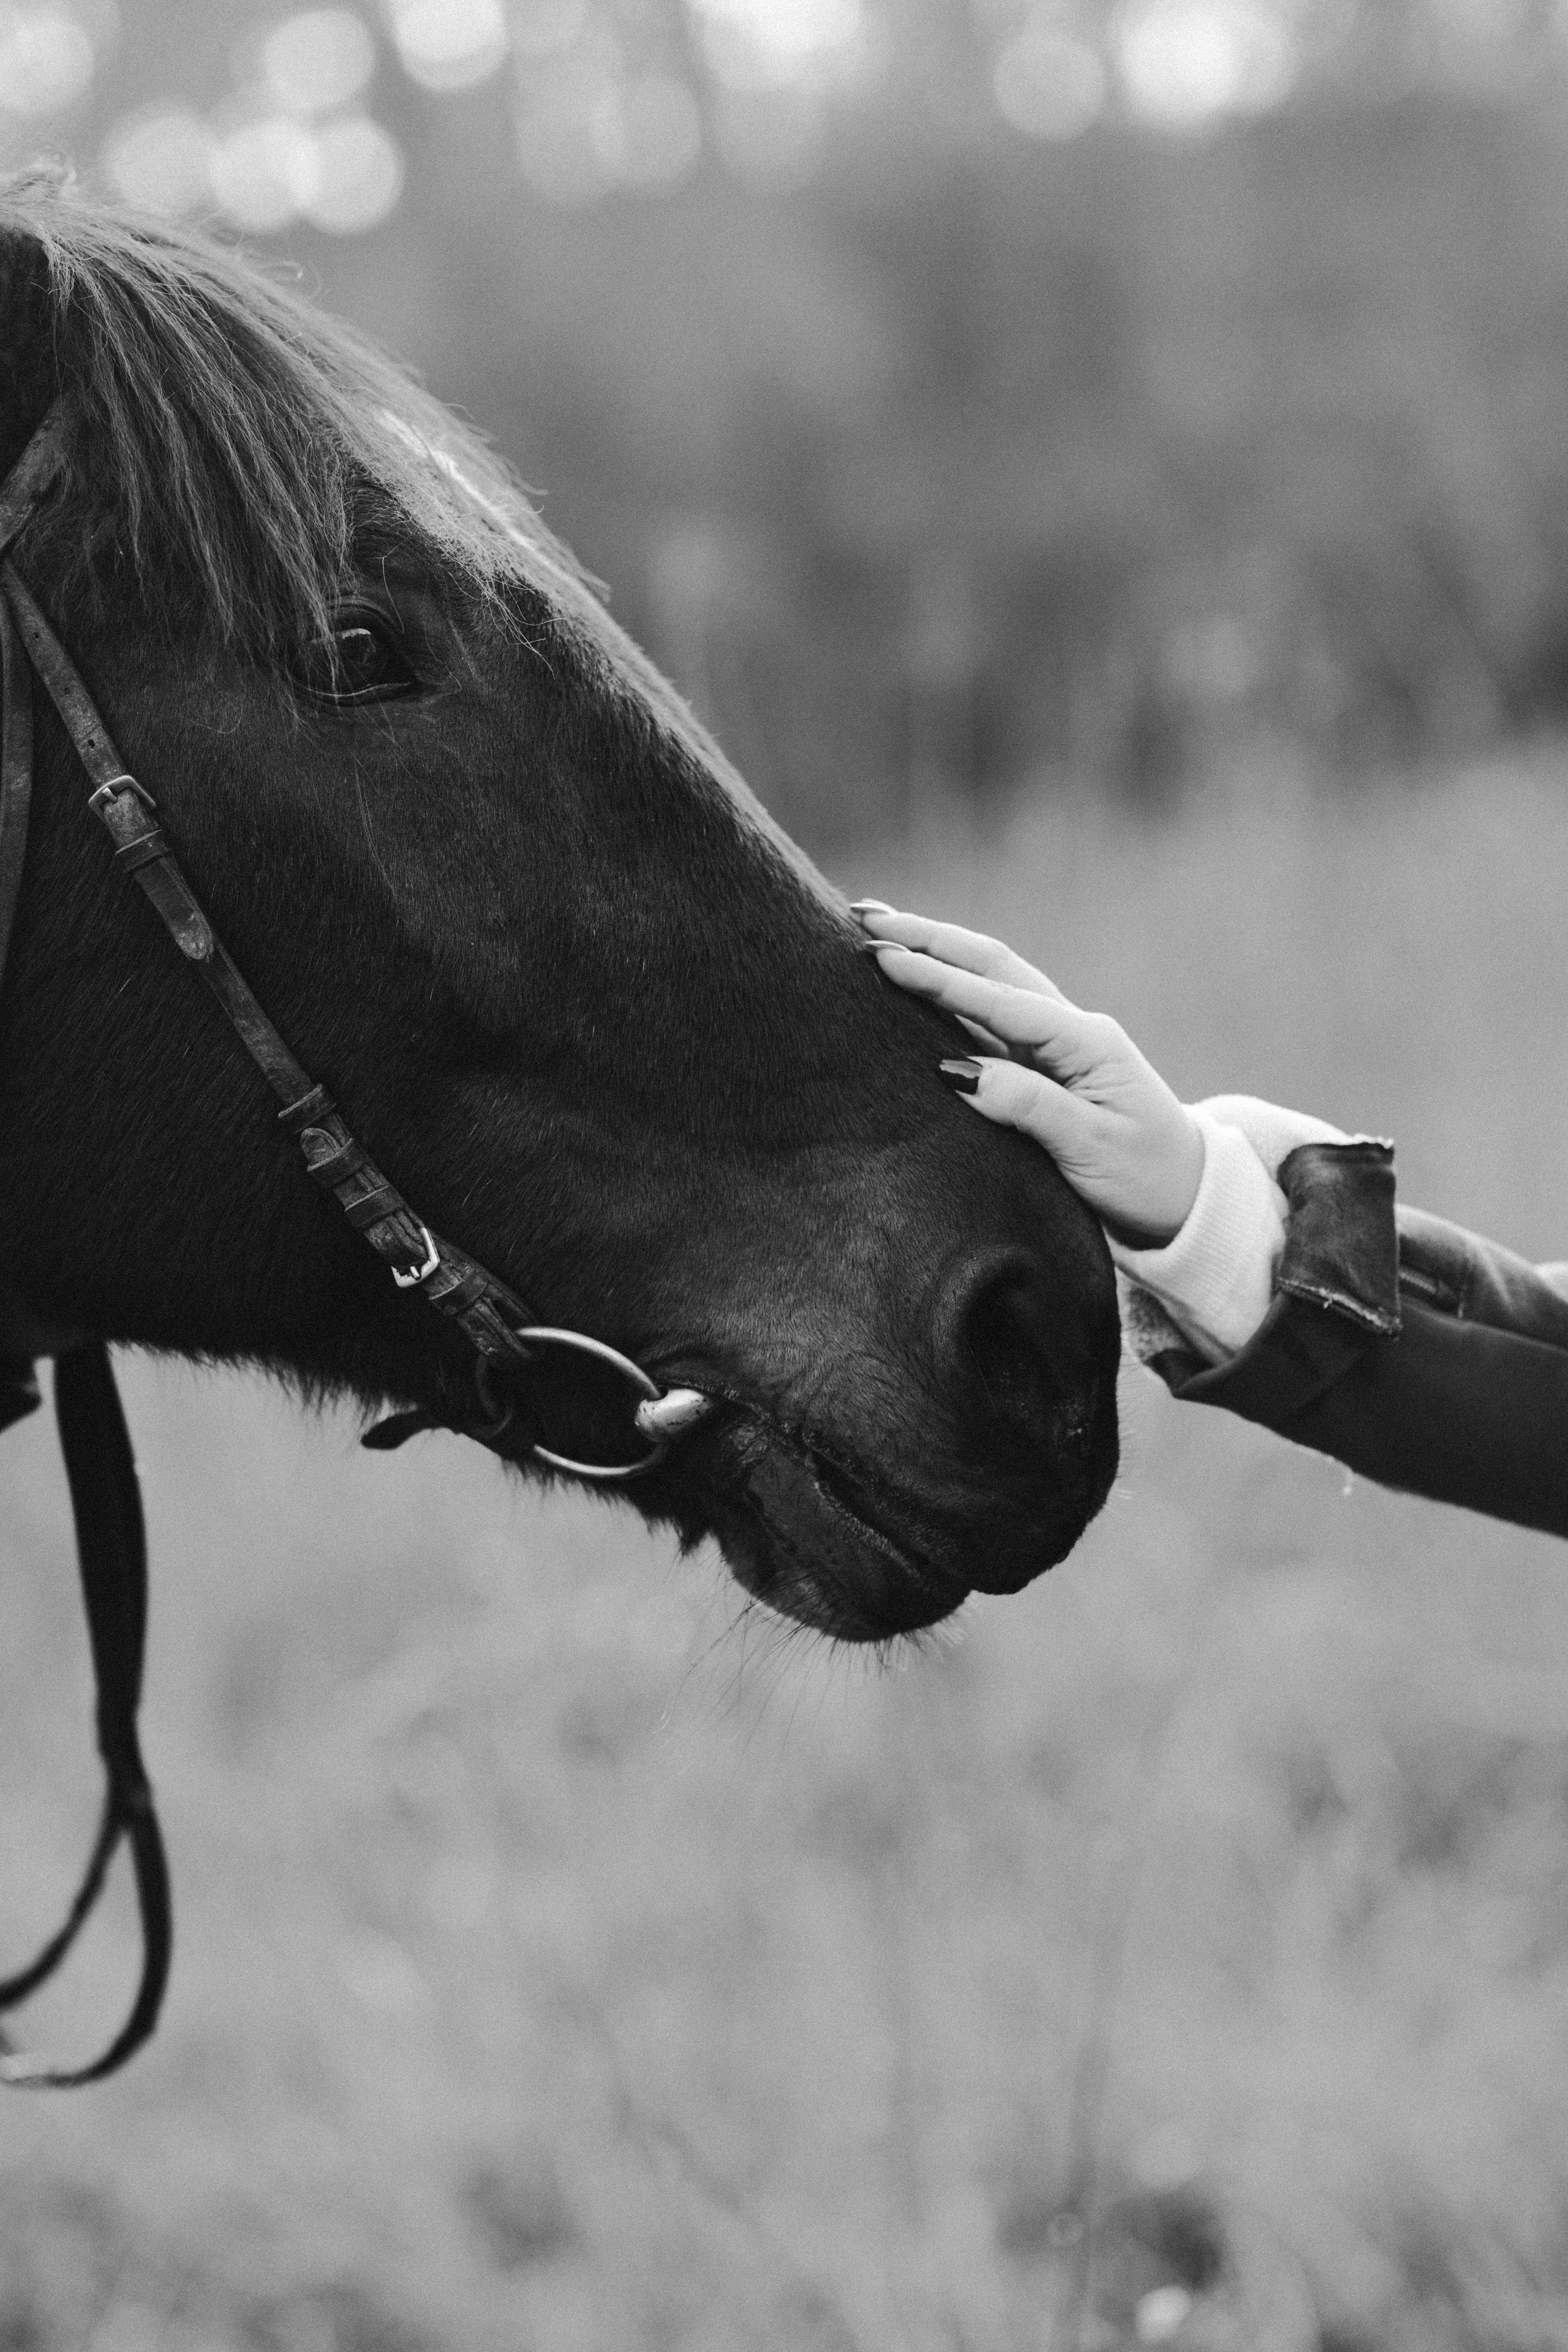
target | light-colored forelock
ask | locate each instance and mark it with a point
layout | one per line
(231, 429)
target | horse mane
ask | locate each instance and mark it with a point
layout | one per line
(224, 433)
(226, 436)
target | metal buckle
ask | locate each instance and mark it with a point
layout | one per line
(406, 1280)
(112, 790)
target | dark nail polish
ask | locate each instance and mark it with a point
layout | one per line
(963, 1076)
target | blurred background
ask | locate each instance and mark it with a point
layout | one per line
(1103, 473)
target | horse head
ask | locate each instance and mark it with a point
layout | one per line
(586, 1006)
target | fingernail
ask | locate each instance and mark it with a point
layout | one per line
(963, 1076)
(861, 906)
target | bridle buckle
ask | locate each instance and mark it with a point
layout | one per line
(408, 1278)
(99, 800)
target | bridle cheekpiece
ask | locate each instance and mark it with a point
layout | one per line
(504, 1333)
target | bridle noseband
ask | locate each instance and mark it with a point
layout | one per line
(502, 1331)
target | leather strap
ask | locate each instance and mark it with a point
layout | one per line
(498, 1324)
(23, 486)
(488, 1311)
(111, 1548)
(99, 1466)
(33, 474)
(16, 772)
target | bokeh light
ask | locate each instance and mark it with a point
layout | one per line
(1162, 2313)
(46, 60)
(161, 159)
(1048, 83)
(1183, 63)
(646, 131)
(360, 167)
(266, 171)
(560, 158)
(449, 44)
(751, 44)
(278, 151)
(587, 125)
(317, 61)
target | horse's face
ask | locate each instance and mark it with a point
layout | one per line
(613, 1038)
(606, 1030)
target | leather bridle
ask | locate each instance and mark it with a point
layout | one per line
(504, 1334)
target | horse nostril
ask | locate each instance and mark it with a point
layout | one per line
(1014, 1376)
(1006, 1353)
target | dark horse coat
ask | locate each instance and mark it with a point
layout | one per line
(501, 895)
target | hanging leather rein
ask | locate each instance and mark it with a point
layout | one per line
(99, 1466)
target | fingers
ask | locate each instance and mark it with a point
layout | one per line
(987, 1042)
(948, 943)
(1069, 1041)
(1027, 1099)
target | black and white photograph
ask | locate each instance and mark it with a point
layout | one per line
(784, 1176)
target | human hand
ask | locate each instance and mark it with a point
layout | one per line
(1074, 1081)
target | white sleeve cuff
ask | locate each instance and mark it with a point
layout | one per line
(1273, 1131)
(1216, 1279)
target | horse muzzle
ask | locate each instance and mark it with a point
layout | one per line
(862, 1555)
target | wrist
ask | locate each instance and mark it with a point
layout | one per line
(1215, 1276)
(1187, 1161)
(1157, 1217)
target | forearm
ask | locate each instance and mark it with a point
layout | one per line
(1458, 1411)
(1285, 1290)
(1413, 1351)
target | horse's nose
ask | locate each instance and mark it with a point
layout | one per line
(1004, 1352)
(1027, 1396)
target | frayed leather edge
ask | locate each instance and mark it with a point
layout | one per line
(1342, 1248)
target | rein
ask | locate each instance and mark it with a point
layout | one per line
(99, 1466)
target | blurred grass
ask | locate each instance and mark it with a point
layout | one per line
(565, 1962)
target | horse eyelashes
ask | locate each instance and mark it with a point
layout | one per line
(361, 662)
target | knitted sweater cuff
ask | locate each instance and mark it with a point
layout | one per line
(1216, 1279)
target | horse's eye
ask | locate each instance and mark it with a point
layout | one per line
(361, 662)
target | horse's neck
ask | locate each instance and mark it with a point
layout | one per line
(24, 1334)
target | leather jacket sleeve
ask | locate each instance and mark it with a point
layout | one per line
(1413, 1351)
